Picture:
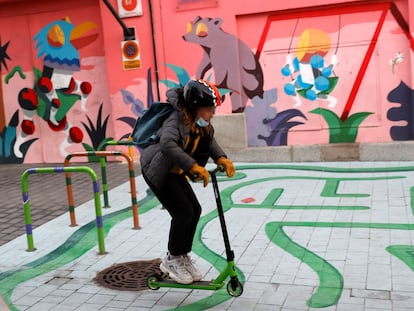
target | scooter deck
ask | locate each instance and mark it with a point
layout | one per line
(206, 285)
(197, 283)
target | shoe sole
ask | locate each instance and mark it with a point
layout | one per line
(197, 279)
(174, 276)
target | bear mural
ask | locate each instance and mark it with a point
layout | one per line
(235, 66)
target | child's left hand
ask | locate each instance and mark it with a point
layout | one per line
(228, 166)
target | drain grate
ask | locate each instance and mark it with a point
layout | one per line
(128, 275)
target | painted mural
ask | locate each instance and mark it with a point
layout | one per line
(324, 71)
(329, 69)
(57, 101)
(220, 49)
(55, 90)
(311, 77)
(403, 95)
(300, 77)
(8, 131)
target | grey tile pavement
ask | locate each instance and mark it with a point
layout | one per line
(307, 236)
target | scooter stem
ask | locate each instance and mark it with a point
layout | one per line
(229, 252)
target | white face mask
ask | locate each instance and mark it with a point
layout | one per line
(202, 123)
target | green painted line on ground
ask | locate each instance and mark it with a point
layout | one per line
(331, 281)
(332, 184)
(327, 290)
(403, 252)
(304, 207)
(81, 241)
(412, 200)
(330, 189)
(326, 169)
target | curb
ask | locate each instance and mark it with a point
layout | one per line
(392, 151)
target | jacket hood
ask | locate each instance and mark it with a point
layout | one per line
(174, 96)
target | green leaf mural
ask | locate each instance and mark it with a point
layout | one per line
(341, 131)
(183, 77)
(180, 72)
(97, 134)
(8, 139)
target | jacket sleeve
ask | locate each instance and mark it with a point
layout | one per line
(172, 145)
(215, 150)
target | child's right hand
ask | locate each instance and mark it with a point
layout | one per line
(199, 173)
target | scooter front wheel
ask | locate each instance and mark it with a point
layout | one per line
(152, 280)
(235, 288)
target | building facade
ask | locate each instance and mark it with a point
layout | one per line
(74, 76)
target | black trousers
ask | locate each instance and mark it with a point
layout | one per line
(177, 196)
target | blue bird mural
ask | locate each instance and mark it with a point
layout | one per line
(55, 90)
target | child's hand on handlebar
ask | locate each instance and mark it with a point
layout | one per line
(199, 173)
(228, 166)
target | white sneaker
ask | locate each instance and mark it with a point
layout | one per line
(189, 265)
(176, 268)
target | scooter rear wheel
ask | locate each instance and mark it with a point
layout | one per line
(151, 280)
(235, 288)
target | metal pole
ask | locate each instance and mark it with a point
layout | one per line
(27, 216)
(133, 192)
(128, 33)
(154, 48)
(48, 170)
(131, 173)
(69, 189)
(229, 252)
(102, 161)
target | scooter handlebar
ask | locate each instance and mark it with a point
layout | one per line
(219, 168)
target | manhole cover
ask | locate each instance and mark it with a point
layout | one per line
(128, 275)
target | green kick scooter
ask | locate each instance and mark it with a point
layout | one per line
(234, 286)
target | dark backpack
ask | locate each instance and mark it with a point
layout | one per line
(147, 125)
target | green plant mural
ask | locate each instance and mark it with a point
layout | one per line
(183, 77)
(342, 131)
(8, 139)
(97, 134)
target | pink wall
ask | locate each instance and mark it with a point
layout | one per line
(242, 48)
(354, 23)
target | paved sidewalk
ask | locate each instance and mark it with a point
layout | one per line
(48, 195)
(307, 236)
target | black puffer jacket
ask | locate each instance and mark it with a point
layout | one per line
(157, 160)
